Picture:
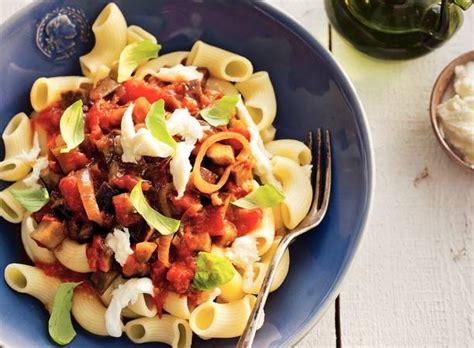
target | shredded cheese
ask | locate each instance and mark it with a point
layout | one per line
(135, 144)
(244, 253)
(180, 167)
(179, 73)
(263, 166)
(119, 242)
(125, 293)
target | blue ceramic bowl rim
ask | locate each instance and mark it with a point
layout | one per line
(290, 23)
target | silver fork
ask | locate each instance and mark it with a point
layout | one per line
(322, 190)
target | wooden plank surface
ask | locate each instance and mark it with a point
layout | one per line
(412, 282)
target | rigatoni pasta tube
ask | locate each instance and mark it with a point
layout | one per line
(34, 251)
(166, 60)
(10, 209)
(177, 305)
(17, 138)
(265, 233)
(233, 289)
(296, 186)
(136, 33)
(47, 90)
(223, 86)
(32, 281)
(110, 32)
(89, 311)
(167, 329)
(72, 255)
(127, 312)
(259, 98)
(292, 149)
(260, 270)
(221, 320)
(222, 64)
(144, 306)
(268, 134)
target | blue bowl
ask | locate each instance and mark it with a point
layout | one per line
(312, 91)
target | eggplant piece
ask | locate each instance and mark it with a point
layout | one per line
(138, 231)
(104, 196)
(102, 280)
(70, 97)
(103, 88)
(49, 234)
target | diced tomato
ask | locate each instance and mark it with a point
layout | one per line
(142, 106)
(209, 220)
(159, 296)
(93, 123)
(158, 273)
(133, 267)
(70, 193)
(72, 160)
(42, 213)
(246, 220)
(188, 200)
(98, 255)
(128, 182)
(180, 276)
(236, 145)
(124, 211)
(134, 89)
(49, 118)
(108, 114)
(59, 271)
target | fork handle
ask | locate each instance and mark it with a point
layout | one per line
(248, 335)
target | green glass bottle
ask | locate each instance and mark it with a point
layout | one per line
(396, 29)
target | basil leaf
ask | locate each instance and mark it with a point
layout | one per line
(133, 54)
(156, 123)
(72, 126)
(219, 113)
(60, 326)
(32, 199)
(212, 271)
(266, 196)
(161, 223)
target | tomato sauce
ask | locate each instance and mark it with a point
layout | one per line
(59, 271)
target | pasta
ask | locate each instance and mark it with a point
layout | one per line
(163, 194)
(47, 90)
(222, 64)
(297, 190)
(10, 209)
(167, 329)
(221, 320)
(17, 138)
(136, 33)
(264, 234)
(292, 149)
(110, 31)
(152, 67)
(223, 86)
(89, 311)
(260, 270)
(34, 252)
(259, 98)
(32, 281)
(73, 256)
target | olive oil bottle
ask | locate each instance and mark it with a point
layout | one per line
(396, 29)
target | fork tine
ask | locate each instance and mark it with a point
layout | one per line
(317, 180)
(327, 176)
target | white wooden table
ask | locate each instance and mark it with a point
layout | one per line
(412, 282)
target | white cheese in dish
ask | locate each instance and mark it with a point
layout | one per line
(464, 82)
(180, 166)
(119, 242)
(244, 253)
(142, 143)
(457, 124)
(188, 127)
(179, 73)
(121, 297)
(263, 167)
(38, 165)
